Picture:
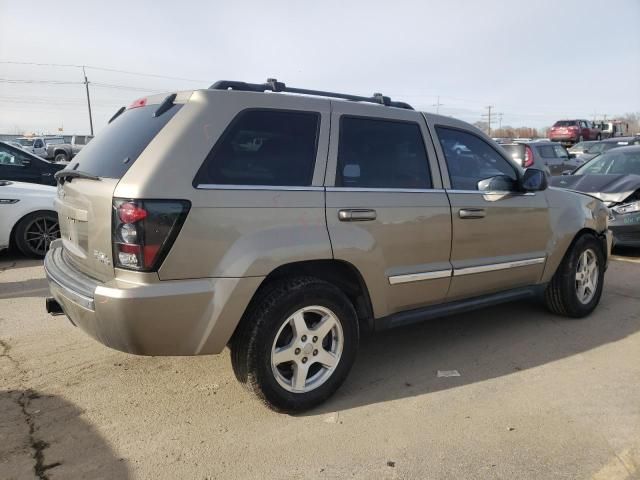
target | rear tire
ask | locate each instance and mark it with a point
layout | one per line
(35, 232)
(576, 287)
(61, 157)
(296, 343)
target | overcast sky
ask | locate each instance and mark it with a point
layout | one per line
(534, 61)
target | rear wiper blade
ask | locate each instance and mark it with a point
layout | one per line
(62, 175)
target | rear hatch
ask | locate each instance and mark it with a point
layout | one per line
(85, 196)
(516, 151)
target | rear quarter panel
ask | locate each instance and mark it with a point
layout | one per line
(231, 232)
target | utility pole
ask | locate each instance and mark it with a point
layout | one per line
(437, 105)
(499, 115)
(86, 86)
(488, 116)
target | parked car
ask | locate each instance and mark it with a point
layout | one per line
(19, 165)
(298, 221)
(580, 148)
(569, 132)
(614, 128)
(606, 145)
(12, 143)
(64, 152)
(614, 178)
(543, 155)
(38, 145)
(27, 217)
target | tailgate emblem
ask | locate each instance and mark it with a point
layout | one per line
(101, 257)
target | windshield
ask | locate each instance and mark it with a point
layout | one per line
(25, 142)
(612, 163)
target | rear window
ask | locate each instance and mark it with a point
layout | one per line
(122, 141)
(516, 151)
(264, 147)
(566, 123)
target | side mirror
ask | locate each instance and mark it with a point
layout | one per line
(499, 183)
(572, 155)
(534, 180)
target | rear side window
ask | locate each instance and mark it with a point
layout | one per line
(381, 154)
(122, 141)
(547, 151)
(264, 147)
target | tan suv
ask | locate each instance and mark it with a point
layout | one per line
(283, 225)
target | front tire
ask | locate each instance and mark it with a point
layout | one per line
(296, 343)
(576, 287)
(35, 232)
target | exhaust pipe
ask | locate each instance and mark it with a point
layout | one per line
(53, 307)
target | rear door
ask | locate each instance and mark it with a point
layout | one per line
(387, 213)
(85, 206)
(499, 234)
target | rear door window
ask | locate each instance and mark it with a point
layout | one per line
(122, 141)
(381, 154)
(264, 147)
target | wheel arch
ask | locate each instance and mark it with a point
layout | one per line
(340, 273)
(550, 270)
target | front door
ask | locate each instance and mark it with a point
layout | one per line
(499, 234)
(387, 213)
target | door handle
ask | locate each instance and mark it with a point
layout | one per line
(472, 213)
(356, 214)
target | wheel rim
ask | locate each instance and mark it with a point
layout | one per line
(307, 349)
(587, 276)
(40, 233)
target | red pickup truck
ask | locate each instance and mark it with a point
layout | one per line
(569, 132)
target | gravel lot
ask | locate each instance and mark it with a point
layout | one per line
(539, 397)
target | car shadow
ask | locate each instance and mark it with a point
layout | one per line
(12, 259)
(34, 287)
(482, 345)
(46, 435)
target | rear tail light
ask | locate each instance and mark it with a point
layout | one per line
(143, 231)
(528, 157)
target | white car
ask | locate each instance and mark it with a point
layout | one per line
(27, 217)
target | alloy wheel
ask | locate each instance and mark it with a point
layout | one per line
(40, 233)
(587, 272)
(307, 349)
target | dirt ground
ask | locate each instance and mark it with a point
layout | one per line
(538, 397)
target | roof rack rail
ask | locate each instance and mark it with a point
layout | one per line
(273, 85)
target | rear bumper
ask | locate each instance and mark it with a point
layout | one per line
(564, 138)
(180, 317)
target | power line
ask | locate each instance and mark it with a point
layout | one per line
(48, 82)
(105, 69)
